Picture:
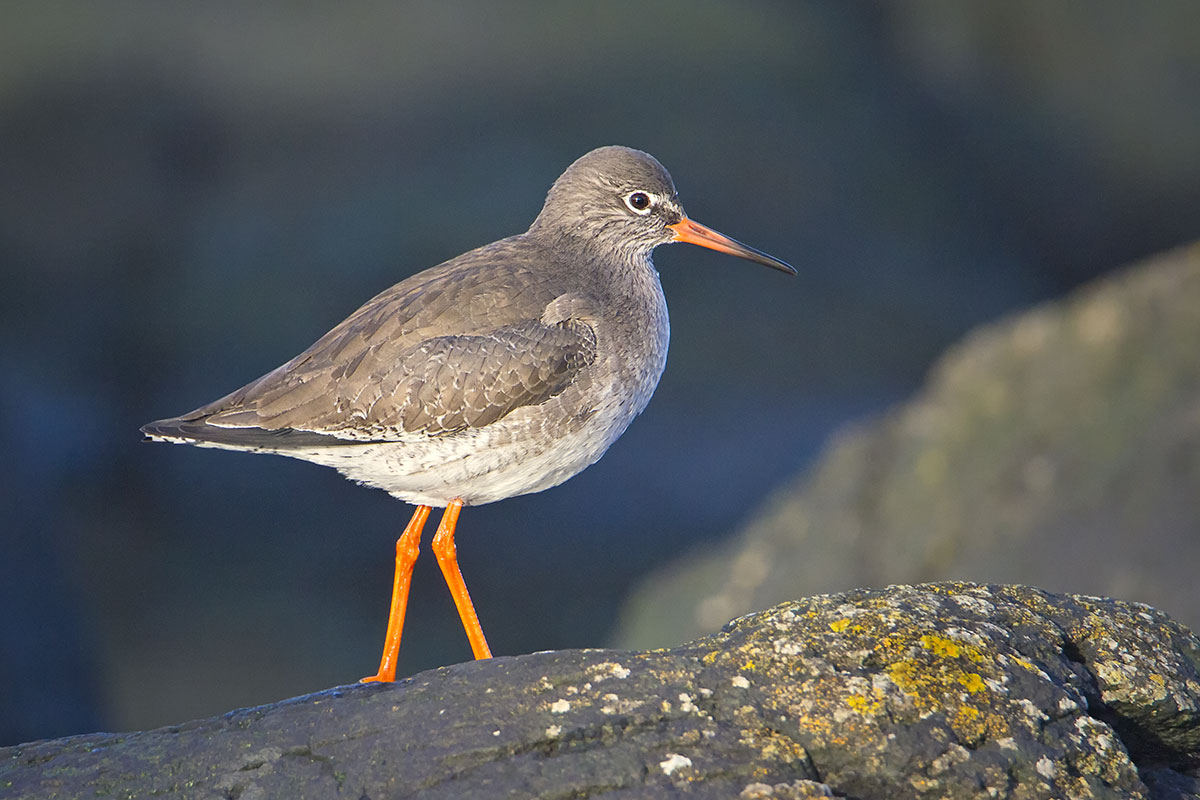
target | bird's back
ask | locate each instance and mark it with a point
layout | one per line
(449, 354)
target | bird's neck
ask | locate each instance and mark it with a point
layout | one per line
(621, 267)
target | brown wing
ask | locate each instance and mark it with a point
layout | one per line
(442, 385)
(456, 346)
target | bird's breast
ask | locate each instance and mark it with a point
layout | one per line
(633, 334)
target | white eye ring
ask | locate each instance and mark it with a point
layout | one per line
(640, 202)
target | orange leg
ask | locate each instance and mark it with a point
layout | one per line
(408, 546)
(447, 557)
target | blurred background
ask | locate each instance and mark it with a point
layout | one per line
(190, 194)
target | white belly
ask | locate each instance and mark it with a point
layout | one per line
(520, 454)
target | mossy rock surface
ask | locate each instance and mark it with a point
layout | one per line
(937, 690)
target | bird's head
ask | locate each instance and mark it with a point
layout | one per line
(625, 202)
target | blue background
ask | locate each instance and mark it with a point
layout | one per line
(190, 194)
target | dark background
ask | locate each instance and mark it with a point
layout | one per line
(190, 194)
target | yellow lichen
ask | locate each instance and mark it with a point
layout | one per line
(972, 681)
(949, 648)
(1028, 665)
(968, 723)
(941, 646)
(839, 625)
(904, 674)
(967, 714)
(863, 704)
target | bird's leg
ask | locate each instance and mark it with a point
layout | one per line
(447, 557)
(408, 546)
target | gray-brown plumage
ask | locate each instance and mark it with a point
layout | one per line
(503, 371)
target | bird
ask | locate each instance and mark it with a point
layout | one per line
(501, 372)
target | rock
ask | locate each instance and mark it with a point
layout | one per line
(1059, 448)
(940, 690)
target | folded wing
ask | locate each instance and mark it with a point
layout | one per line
(438, 386)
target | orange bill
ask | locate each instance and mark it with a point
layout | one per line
(694, 233)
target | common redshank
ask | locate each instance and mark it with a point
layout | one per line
(501, 372)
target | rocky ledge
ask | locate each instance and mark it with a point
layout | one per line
(1059, 447)
(936, 690)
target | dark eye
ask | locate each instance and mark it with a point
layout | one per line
(639, 202)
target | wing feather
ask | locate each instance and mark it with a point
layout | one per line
(432, 355)
(443, 385)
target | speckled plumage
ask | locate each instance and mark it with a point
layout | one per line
(503, 371)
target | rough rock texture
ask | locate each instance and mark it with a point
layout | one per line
(1060, 448)
(940, 690)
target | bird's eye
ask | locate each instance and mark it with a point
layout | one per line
(639, 202)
